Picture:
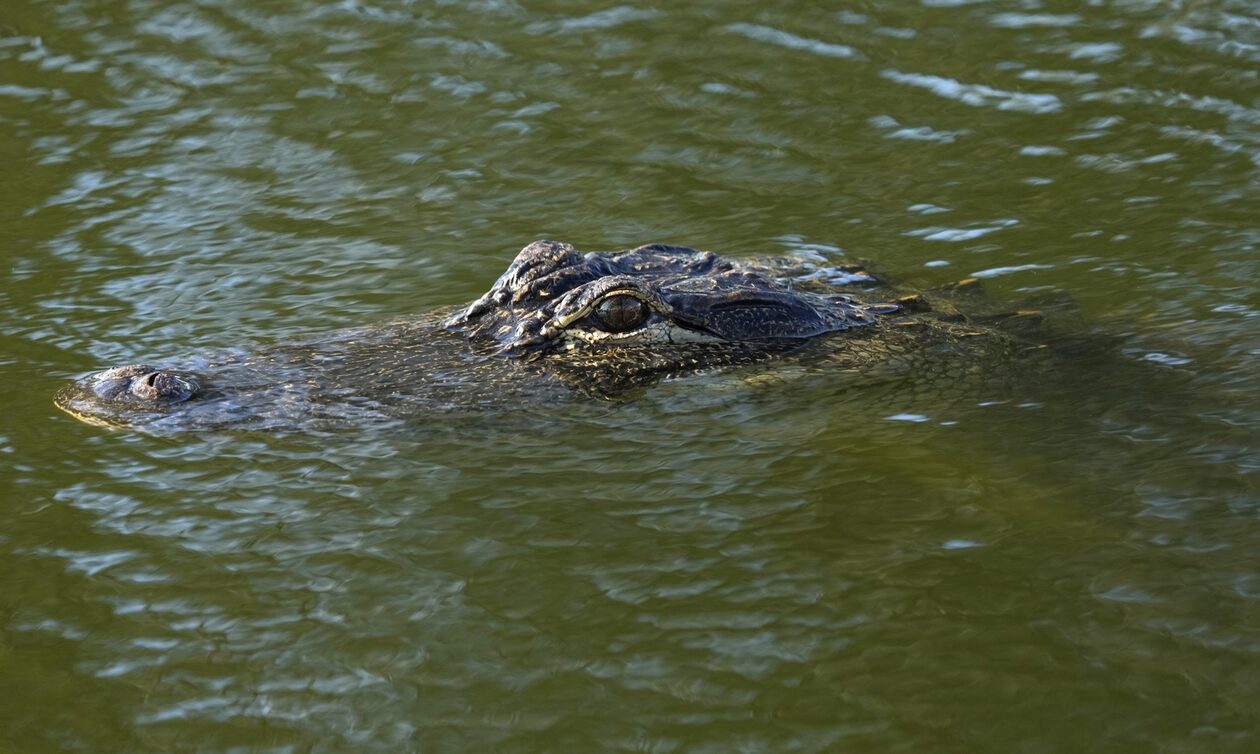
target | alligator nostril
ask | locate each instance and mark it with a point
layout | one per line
(162, 387)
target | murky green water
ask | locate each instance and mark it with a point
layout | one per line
(1065, 565)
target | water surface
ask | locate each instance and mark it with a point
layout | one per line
(1065, 563)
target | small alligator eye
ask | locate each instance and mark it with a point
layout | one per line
(618, 314)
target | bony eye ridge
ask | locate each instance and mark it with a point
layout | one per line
(621, 313)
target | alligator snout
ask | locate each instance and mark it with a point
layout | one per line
(143, 384)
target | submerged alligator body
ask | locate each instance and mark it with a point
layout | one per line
(557, 323)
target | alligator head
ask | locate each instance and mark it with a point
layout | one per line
(600, 323)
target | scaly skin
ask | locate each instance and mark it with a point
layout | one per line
(556, 324)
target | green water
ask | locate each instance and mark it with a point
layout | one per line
(1063, 565)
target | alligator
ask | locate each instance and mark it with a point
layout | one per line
(560, 324)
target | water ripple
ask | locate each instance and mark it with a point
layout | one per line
(793, 42)
(978, 95)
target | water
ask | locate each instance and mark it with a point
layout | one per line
(1066, 565)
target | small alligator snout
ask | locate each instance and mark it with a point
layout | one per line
(144, 384)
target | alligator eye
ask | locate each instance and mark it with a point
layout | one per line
(618, 314)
